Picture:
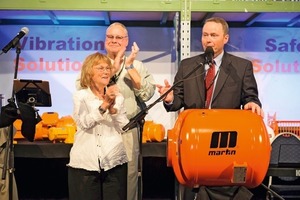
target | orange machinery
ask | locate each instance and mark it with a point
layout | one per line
(288, 126)
(153, 132)
(49, 119)
(51, 127)
(208, 147)
(64, 131)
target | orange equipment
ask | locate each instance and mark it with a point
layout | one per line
(153, 132)
(218, 147)
(65, 130)
(18, 124)
(18, 135)
(49, 120)
(291, 126)
(51, 127)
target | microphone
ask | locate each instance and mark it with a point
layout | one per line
(16, 39)
(209, 55)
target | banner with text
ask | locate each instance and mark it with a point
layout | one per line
(55, 54)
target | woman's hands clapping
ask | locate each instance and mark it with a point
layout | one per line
(110, 97)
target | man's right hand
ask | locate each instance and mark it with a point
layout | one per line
(163, 89)
(134, 51)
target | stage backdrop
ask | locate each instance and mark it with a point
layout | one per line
(55, 54)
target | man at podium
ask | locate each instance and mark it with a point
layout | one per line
(232, 86)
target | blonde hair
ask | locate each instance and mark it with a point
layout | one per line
(87, 67)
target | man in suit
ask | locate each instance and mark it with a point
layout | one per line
(234, 87)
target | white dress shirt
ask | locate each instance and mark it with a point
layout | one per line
(98, 141)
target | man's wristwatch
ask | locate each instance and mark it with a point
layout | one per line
(101, 110)
(130, 67)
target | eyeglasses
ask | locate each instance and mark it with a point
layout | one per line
(118, 37)
(103, 69)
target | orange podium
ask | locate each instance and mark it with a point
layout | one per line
(219, 147)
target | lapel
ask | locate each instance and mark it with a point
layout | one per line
(223, 75)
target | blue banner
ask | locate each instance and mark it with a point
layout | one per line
(55, 54)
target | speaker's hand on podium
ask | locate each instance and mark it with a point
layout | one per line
(255, 108)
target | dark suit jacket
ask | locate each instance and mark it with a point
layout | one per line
(235, 86)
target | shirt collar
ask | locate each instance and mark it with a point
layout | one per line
(218, 59)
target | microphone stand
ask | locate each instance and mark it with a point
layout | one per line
(134, 121)
(9, 149)
(140, 116)
(138, 119)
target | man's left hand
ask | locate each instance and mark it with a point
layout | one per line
(255, 108)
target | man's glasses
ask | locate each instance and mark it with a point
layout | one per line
(118, 37)
(103, 69)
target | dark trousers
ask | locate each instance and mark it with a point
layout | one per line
(92, 185)
(217, 193)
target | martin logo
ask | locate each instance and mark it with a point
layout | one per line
(223, 143)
